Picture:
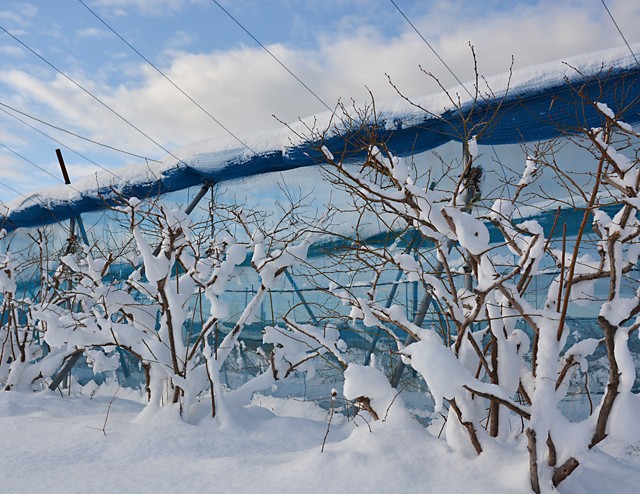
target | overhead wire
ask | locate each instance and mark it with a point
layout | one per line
(60, 143)
(620, 31)
(89, 93)
(31, 162)
(270, 53)
(155, 67)
(289, 71)
(431, 48)
(24, 158)
(13, 190)
(66, 131)
(450, 71)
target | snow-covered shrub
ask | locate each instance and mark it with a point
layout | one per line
(297, 347)
(26, 360)
(148, 315)
(17, 347)
(491, 379)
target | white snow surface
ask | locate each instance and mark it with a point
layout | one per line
(54, 444)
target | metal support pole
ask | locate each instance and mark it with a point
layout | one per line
(66, 369)
(71, 247)
(473, 174)
(72, 235)
(74, 220)
(190, 207)
(196, 199)
(415, 237)
(418, 320)
(83, 232)
(376, 337)
(312, 316)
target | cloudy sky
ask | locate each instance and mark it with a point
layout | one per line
(337, 48)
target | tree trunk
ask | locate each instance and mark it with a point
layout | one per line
(533, 461)
(612, 387)
(473, 436)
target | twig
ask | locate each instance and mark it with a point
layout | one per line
(334, 393)
(386, 413)
(106, 418)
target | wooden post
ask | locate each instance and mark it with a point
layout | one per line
(63, 167)
(63, 374)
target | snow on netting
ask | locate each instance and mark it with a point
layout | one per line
(532, 104)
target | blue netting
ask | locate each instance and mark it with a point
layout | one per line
(534, 114)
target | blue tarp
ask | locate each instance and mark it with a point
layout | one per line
(533, 113)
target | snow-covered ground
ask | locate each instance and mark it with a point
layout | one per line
(53, 443)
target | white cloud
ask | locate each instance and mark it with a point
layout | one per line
(93, 32)
(12, 51)
(10, 166)
(22, 16)
(180, 40)
(146, 7)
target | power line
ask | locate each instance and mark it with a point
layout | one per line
(273, 56)
(620, 31)
(313, 93)
(166, 77)
(14, 190)
(76, 135)
(31, 163)
(36, 197)
(89, 93)
(60, 143)
(448, 68)
(37, 166)
(431, 48)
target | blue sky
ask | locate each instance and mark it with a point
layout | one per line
(339, 48)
